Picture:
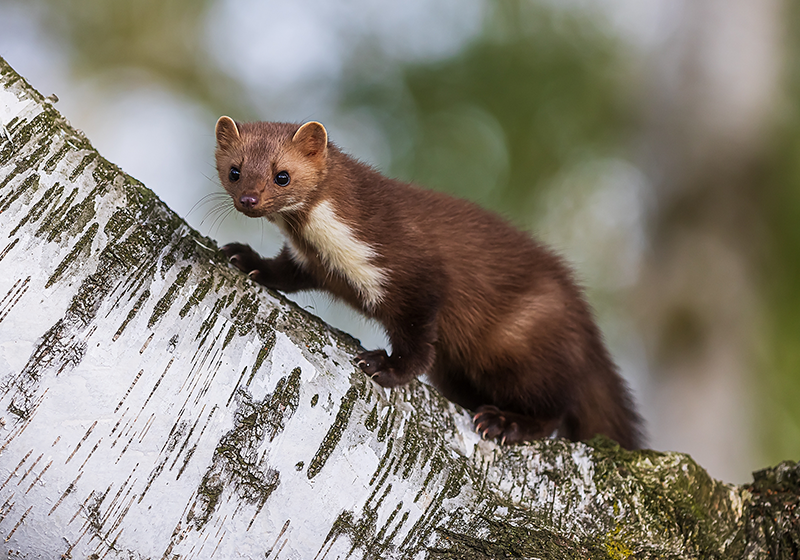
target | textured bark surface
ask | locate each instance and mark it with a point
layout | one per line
(154, 403)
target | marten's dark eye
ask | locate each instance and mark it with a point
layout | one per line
(282, 179)
(233, 174)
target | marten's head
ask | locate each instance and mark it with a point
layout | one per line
(271, 168)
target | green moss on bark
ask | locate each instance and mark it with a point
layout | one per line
(236, 464)
(772, 527)
(163, 305)
(334, 434)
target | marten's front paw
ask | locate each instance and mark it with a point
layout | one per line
(491, 422)
(243, 258)
(375, 363)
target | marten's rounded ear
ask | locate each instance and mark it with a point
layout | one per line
(312, 139)
(226, 131)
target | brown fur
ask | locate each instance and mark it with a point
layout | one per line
(494, 318)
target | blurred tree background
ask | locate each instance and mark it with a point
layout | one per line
(655, 143)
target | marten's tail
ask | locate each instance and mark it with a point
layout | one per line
(605, 406)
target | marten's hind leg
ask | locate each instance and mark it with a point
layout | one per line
(511, 427)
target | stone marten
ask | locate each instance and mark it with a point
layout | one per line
(494, 318)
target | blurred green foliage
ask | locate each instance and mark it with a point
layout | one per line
(780, 267)
(539, 91)
(164, 40)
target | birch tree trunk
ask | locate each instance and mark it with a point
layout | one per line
(154, 403)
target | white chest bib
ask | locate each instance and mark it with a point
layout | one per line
(340, 250)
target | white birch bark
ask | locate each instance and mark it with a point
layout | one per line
(154, 403)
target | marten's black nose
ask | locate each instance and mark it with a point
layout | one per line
(248, 201)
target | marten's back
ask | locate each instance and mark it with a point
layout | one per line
(488, 270)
